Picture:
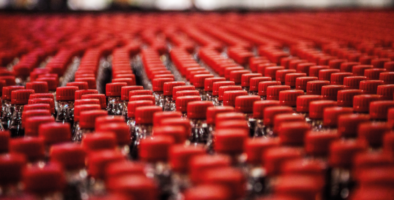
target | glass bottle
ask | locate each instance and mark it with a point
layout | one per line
(208, 86)
(65, 97)
(316, 110)
(86, 122)
(6, 104)
(196, 112)
(198, 82)
(19, 98)
(181, 103)
(169, 104)
(157, 88)
(215, 90)
(258, 115)
(244, 104)
(114, 102)
(269, 116)
(101, 97)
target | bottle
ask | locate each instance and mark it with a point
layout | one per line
(198, 82)
(207, 192)
(19, 98)
(136, 187)
(53, 83)
(50, 177)
(262, 88)
(208, 86)
(292, 134)
(331, 115)
(229, 96)
(79, 93)
(122, 168)
(196, 112)
(303, 102)
(80, 84)
(114, 102)
(345, 97)
(86, 122)
(302, 82)
(215, 90)
(211, 120)
(177, 89)
(154, 151)
(316, 110)
(269, 115)
(286, 118)
(72, 158)
(125, 90)
(100, 97)
(157, 88)
(254, 84)
(370, 86)
(386, 91)
(245, 104)
(348, 122)
(314, 87)
(65, 97)
(160, 116)
(13, 164)
(307, 187)
(33, 122)
(258, 115)
(378, 110)
(32, 148)
(182, 102)
(289, 98)
(329, 92)
(122, 133)
(168, 94)
(6, 104)
(131, 107)
(101, 121)
(200, 164)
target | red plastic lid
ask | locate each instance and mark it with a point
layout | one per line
(207, 192)
(314, 71)
(119, 169)
(361, 102)
(342, 152)
(376, 193)
(372, 133)
(303, 102)
(86, 101)
(66, 93)
(180, 156)
(90, 80)
(233, 124)
(353, 82)
(121, 130)
(142, 97)
(336, 63)
(202, 163)
(337, 78)
(281, 74)
(6, 91)
(160, 116)
(208, 82)
(285, 118)
(291, 79)
(79, 93)
(379, 62)
(304, 67)
(135, 187)
(256, 147)
(289, 97)
(389, 66)
(79, 108)
(274, 158)
(330, 92)
(223, 89)
(230, 95)
(325, 74)
(132, 105)
(139, 92)
(32, 124)
(301, 82)
(228, 70)
(304, 187)
(272, 111)
(54, 133)
(126, 89)
(144, 114)
(305, 167)
(348, 66)
(245, 78)
(178, 133)
(254, 82)
(387, 77)
(314, 87)
(32, 148)
(38, 86)
(98, 141)
(80, 84)
(9, 80)
(157, 83)
(114, 89)
(386, 91)
(52, 82)
(245, 103)
(47, 101)
(13, 164)
(331, 115)
(388, 142)
(199, 79)
(108, 120)
(345, 97)
(97, 162)
(373, 74)
(168, 87)
(213, 111)
(318, 143)
(316, 108)
(347, 124)
(4, 141)
(88, 118)
(71, 156)
(21, 96)
(50, 176)
(358, 70)
(273, 91)
(155, 149)
(271, 71)
(370, 86)
(128, 81)
(217, 85)
(293, 133)
(378, 110)
(186, 93)
(198, 109)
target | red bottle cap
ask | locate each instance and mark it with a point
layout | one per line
(108, 120)
(330, 92)
(337, 78)
(207, 192)
(331, 115)
(318, 143)
(314, 71)
(66, 93)
(142, 97)
(303, 187)
(361, 102)
(223, 89)
(314, 87)
(198, 109)
(90, 80)
(168, 87)
(139, 92)
(304, 67)
(132, 105)
(245, 78)
(157, 84)
(228, 70)
(126, 89)
(254, 82)
(121, 130)
(9, 80)
(217, 85)
(289, 97)
(256, 147)
(293, 133)
(186, 93)
(98, 141)
(284, 118)
(290, 79)
(208, 82)
(30, 113)
(271, 71)
(259, 106)
(88, 118)
(37, 86)
(6, 91)
(144, 114)
(301, 82)
(305, 167)
(155, 148)
(348, 66)
(21, 96)
(387, 77)
(388, 142)
(48, 101)
(370, 86)
(213, 111)
(13, 164)
(379, 62)
(80, 84)
(178, 133)
(202, 163)
(199, 79)
(233, 124)
(303, 102)
(52, 82)
(274, 158)
(389, 66)
(181, 155)
(373, 74)
(54, 133)
(86, 101)
(120, 169)
(181, 102)
(79, 108)
(50, 176)
(347, 124)
(359, 70)
(336, 63)
(70, 156)
(32, 124)
(245, 103)
(273, 91)
(230, 96)
(79, 93)
(223, 117)
(386, 91)
(37, 106)
(136, 187)
(325, 74)
(128, 81)
(261, 67)
(345, 97)
(378, 193)
(353, 82)
(342, 152)
(160, 116)
(316, 108)
(272, 111)
(98, 162)
(31, 147)
(378, 110)
(114, 89)
(372, 133)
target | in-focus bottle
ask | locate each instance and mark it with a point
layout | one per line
(244, 104)
(198, 82)
(114, 102)
(6, 104)
(168, 94)
(181, 104)
(197, 113)
(157, 88)
(19, 98)
(87, 122)
(215, 90)
(254, 84)
(65, 97)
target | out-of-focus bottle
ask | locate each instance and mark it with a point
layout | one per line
(53, 83)
(72, 158)
(345, 97)
(136, 187)
(19, 98)
(114, 102)
(32, 148)
(181, 104)
(286, 118)
(211, 120)
(245, 104)
(316, 110)
(6, 104)
(208, 86)
(372, 133)
(99, 141)
(122, 134)
(200, 164)
(177, 133)
(169, 104)
(307, 187)
(125, 96)
(80, 84)
(65, 97)
(289, 98)
(54, 133)
(378, 110)
(215, 90)
(160, 116)
(157, 88)
(230, 141)
(258, 115)
(77, 112)
(86, 122)
(12, 164)
(269, 116)
(292, 134)
(347, 124)
(197, 113)
(245, 80)
(303, 102)
(33, 123)
(198, 82)
(48, 101)
(79, 93)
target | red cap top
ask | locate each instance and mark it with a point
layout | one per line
(231, 178)
(9, 80)
(373, 74)
(198, 109)
(79, 93)
(119, 169)
(284, 118)
(182, 102)
(379, 62)
(388, 143)
(21, 96)
(271, 71)
(348, 66)
(389, 66)
(144, 114)
(304, 67)
(245, 103)
(223, 89)
(160, 116)
(185, 123)
(70, 156)
(202, 163)
(54, 133)
(217, 85)
(254, 82)
(331, 114)
(347, 124)
(4, 141)
(272, 111)
(303, 102)
(353, 82)
(303, 187)
(199, 79)
(213, 111)
(158, 83)
(207, 192)
(50, 177)
(186, 93)
(345, 97)
(318, 143)
(329, 92)
(66, 93)
(289, 97)
(281, 74)
(32, 148)
(259, 106)
(291, 79)
(308, 167)
(232, 124)
(168, 87)
(314, 71)
(366, 193)
(387, 77)
(208, 82)
(273, 91)
(370, 86)
(361, 102)
(52, 82)
(128, 81)
(86, 101)
(155, 148)
(90, 80)
(342, 152)
(316, 108)
(108, 120)
(32, 124)
(325, 74)
(80, 84)
(358, 70)
(37, 112)
(181, 155)
(314, 87)
(139, 92)
(114, 89)
(386, 91)
(256, 147)
(135, 187)
(229, 96)
(301, 82)
(88, 118)
(245, 78)
(79, 108)
(336, 63)
(97, 162)
(181, 88)
(274, 158)
(293, 133)
(13, 164)
(121, 130)
(142, 97)
(178, 133)
(98, 141)
(6, 92)
(378, 110)
(47, 101)
(38, 86)
(126, 89)
(372, 133)
(228, 70)
(337, 78)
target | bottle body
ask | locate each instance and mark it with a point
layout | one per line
(161, 172)
(200, 131)
(141, 131)
(202, 93)
(341, 183)
(78, 135)
(158, 98)
(215, 100)
(115, 106)
(77, 185)
(15, 121)
(256, 181)
(168, 103)
(6, 112)
(208, 96)
(65, 112)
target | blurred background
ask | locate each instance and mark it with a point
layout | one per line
(98, 5)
